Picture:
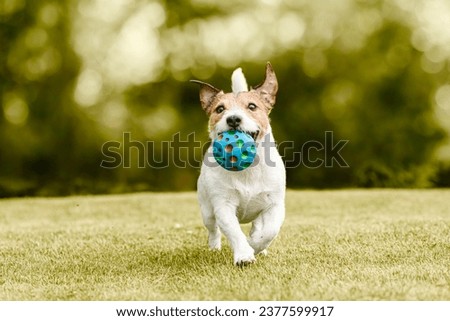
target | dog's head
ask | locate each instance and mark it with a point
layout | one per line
(243, 109)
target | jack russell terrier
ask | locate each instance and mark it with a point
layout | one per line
(255, 194)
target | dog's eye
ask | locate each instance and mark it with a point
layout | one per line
(220, 109)
(252, 106)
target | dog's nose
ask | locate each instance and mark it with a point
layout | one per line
(234, 121)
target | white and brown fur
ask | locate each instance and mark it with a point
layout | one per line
(253, 195)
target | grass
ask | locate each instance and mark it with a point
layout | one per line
(335, 245)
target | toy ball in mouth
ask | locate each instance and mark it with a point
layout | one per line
(234, 150)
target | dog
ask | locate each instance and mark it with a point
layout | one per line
(255, 195)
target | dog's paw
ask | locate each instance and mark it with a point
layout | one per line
(244, 258)
(215, 247)
(244, 261)
(215, 243)
(264, 252)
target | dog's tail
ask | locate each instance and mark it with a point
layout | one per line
(238, 82)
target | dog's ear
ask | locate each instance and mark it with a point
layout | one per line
(207, 94)
(269, 87)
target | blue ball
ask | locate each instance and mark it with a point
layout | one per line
(234, 150)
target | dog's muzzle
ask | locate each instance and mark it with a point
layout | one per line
(234, 122)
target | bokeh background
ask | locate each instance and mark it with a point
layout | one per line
(75, 74)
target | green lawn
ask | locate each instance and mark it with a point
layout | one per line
(334, 245)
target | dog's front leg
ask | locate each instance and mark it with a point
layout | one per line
(228, 222)
(266, 227)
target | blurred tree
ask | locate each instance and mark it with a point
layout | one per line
(45, 143)
(75, 75)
